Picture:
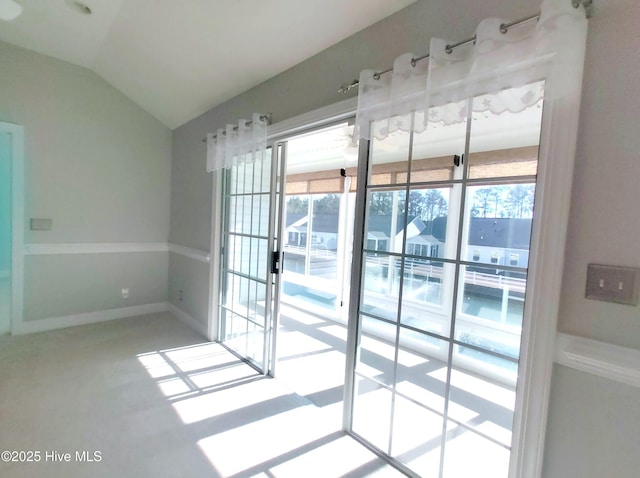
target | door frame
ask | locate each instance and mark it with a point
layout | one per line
(17, 223)
(275, 132)
(549, 232)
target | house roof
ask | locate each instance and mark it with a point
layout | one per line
(294, 217)
(506, 233)
(382, 223)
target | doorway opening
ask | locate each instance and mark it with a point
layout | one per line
(286, 249)
(11, 226)
(316, 238)
(5, 232)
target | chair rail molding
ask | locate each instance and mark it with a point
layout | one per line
(614, 362)
(190, 252)
(93, 248)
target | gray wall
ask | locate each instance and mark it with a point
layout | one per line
(99, 167)
(604, 221)
(593, 427)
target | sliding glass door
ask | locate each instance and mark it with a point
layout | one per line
(443, 283)
(285, 238)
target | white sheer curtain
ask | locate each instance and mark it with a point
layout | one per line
(500, 65)
(246, 142)
(385, 102)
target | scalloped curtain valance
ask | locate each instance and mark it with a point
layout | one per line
(234, 145)
(506, 66)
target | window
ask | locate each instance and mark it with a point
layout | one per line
(513, 259)
(463, 323)
(495, 257)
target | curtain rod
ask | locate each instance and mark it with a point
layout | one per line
(267, 117)
(504, 28)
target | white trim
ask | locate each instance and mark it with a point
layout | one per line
(17, 220)
(189, 321)
(114, 248)
(54, 323)
(94, 248)
(614, 362)
(549, 232)
(213, 313)
(190, 252)
(316, 118)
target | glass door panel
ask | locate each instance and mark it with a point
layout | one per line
(372, 412)
(445, 256)
(245, 305)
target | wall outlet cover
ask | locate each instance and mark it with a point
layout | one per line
(40, 224)
(612, 284)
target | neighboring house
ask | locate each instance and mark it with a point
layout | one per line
(499, 241)
(324, 231)
(296, 229)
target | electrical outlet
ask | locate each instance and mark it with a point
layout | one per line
(612, 284)
(180, 296)
(125, 293)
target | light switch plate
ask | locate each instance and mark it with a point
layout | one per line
(40, 224)
(612, 284)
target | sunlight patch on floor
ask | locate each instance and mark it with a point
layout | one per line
(299, 343)
(314, 373)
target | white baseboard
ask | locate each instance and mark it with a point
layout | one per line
(54, 323)
(614, 362)
(189, 321)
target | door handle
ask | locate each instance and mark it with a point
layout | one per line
(276, 261)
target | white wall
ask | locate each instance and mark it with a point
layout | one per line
(604, 222)
(99, 167)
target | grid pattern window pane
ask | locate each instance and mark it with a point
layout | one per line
(445, 298)
(245, 255)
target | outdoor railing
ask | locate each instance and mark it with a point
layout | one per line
(314, 252)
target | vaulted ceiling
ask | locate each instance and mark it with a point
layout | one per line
(179, 58)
